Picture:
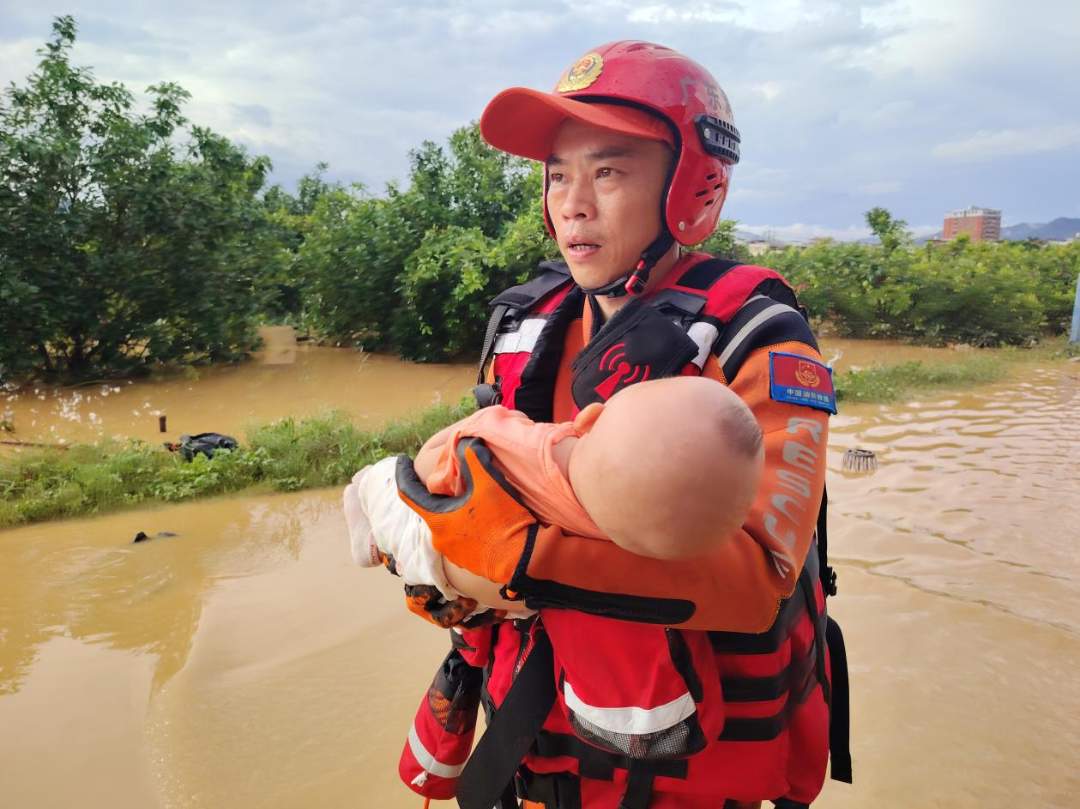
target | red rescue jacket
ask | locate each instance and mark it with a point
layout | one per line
(775, 685)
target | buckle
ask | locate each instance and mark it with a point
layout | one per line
(487, 395)
(828, 581)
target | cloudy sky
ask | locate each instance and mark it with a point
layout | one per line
(919, 105)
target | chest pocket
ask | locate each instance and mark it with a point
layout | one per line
(644, 340)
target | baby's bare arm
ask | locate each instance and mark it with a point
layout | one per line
(485, 592)
(427, 457)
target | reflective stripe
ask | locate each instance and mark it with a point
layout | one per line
(524, 339)
(704, 334)
(428, 761)
(631, 720)
(766, 314)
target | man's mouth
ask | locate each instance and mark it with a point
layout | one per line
(583, 248)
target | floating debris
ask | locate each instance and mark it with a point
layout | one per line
(860, 460)
(201, 444)
(142, 536)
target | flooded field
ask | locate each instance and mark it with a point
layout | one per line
(246, 663)
(283, 379)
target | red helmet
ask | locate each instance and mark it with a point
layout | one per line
(623, 86)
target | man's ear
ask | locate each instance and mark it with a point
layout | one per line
(584, 420)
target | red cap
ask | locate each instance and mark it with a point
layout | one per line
(524, 122)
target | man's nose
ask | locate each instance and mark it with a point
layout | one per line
(578, 201)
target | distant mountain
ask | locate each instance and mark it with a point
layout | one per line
(1060, 229)
(747, 236)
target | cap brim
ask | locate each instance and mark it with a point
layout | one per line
(524, 122)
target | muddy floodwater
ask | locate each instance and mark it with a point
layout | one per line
(245, 662)
(284, 378)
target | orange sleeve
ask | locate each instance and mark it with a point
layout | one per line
(739, 587)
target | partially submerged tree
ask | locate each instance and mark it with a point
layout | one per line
(120, 246)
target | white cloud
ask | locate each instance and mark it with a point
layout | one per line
(988, 145)
(769, 90)
(762, 15)
(802, 233)
(881, 187)
(838, 101)
(18, 59)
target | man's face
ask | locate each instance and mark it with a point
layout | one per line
(603, 197)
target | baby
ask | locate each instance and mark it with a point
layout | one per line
(667, 469)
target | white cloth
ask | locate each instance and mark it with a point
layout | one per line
(378, 520)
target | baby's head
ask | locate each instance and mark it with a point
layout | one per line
(669, 468)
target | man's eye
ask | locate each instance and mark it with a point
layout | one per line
(605, 172)
(555, 177)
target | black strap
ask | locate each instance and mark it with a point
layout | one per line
(839, 708)
(706, 273)
(512, 730)
(639, 786)
(554, 790)
(828, 575)
(497, 313)
(508, 800)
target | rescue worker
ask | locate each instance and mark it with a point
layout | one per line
(639, 144)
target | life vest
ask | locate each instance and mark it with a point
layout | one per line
(775, 685)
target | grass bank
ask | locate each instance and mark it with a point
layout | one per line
(890, 383)
(287, 455)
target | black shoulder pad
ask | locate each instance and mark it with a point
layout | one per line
(762, 321)
(553, 274)
(704, 275)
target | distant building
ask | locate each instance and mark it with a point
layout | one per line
(979, 224)
(758, 246)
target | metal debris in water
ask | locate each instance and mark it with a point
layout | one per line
(860, 460)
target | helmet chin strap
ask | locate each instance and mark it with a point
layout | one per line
(635, 281)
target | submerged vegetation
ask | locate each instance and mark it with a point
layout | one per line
(889, 383)
(286, 455)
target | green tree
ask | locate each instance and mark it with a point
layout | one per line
(413, 271)
(890, 232)
(451, 277)
(120, 248)
(291, 219)
(349, 265)
(721, 243)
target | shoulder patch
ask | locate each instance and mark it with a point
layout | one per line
(801, 380)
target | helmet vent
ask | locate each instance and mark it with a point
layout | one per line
(701, 193)
(709, 202)
(717, 187)
(711, 177)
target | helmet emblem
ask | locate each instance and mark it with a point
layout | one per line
(581, 74)
(807, 375)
